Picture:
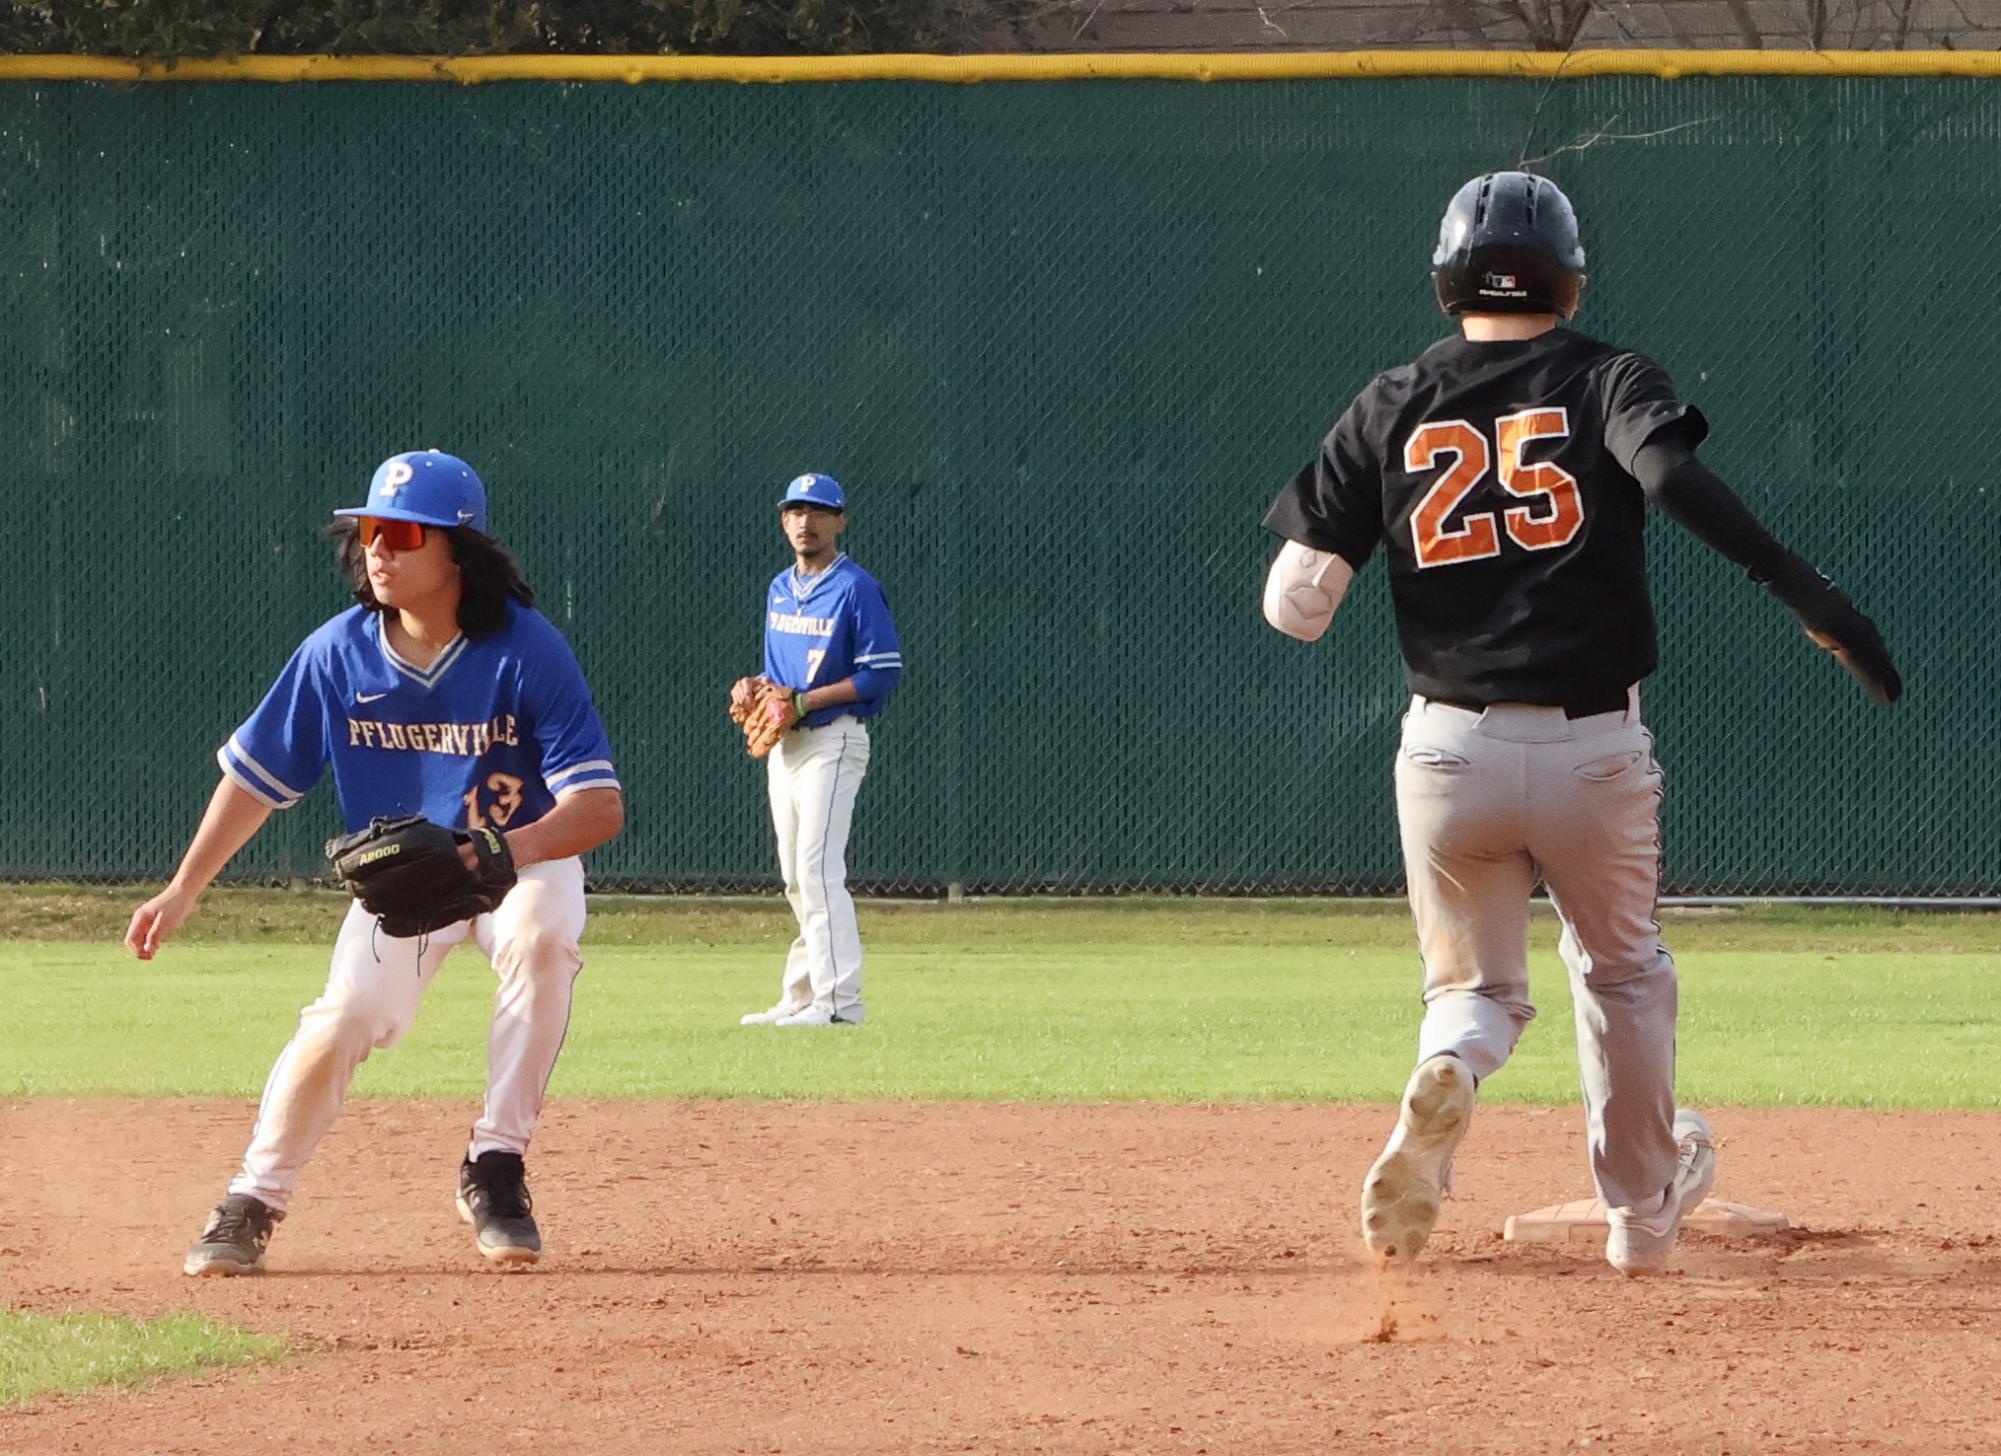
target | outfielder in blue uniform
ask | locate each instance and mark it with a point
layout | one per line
(441, 693)
(829, 637)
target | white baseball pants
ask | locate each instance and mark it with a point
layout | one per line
(1485, 802)
(371, 998)
(813, 776)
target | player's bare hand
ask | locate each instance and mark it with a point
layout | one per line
(743, 690)
(157, 919)
(782, 712)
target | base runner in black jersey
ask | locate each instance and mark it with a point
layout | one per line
(1506, 474)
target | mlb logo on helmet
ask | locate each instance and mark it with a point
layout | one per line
(427, 486)
(817, 490)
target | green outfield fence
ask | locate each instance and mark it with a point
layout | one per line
(1061, 341)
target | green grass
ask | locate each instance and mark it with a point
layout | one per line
(67, 912)
(1183, 1000)
(63, 1354)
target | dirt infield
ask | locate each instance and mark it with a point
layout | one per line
(759, 1277)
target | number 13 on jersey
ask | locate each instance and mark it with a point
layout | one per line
(506, 792)
(1555, 510)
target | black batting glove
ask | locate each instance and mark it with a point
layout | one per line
(1832, 621)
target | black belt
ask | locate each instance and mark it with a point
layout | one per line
(1613, 702)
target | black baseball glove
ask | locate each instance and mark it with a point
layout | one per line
(1834, 622)
(410, 875)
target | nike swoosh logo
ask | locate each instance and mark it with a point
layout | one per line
(368, 697)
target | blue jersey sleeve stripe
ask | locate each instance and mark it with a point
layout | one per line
(273, 784)
(578, 786)
(247, 782)
(249, 785)
(597, 767)
(283, 789)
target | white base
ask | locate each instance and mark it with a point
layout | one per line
(1585, 1219)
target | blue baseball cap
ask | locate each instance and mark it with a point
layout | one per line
(427, 486)
(815, 490)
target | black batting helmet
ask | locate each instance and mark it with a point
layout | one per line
(1508, 244)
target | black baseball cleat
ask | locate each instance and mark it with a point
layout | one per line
(233, 1240)
(493, 1198)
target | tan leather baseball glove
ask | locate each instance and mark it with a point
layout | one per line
(771, 713)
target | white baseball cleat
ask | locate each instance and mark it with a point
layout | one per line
(1641, 1243)
(820, 1016)
(1400, 1197)
(768, 1018)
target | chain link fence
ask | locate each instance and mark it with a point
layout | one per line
(1061, 342)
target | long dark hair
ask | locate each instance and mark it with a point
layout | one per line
(489, 577)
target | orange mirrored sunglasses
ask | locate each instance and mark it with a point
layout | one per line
(395, 535)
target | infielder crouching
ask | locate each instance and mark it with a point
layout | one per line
(442, 694)
(829, 639)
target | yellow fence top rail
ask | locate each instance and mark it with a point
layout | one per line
(1258, 66)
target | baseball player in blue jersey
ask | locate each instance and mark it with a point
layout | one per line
(829, 638)
(442, 693)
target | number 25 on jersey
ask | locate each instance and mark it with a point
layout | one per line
(1554, 512)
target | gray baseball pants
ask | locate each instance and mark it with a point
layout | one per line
(1488, 800)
